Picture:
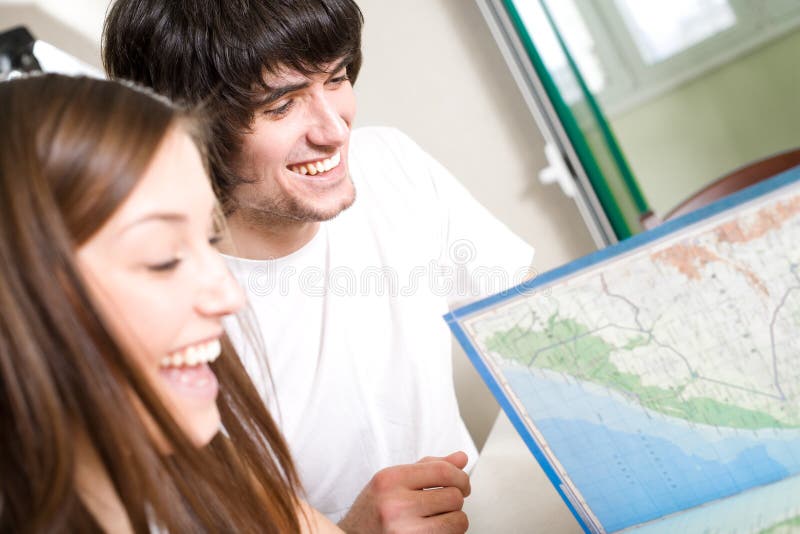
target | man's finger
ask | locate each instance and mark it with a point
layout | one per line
(439, 501)
(458, 459)
(449, 523)
(436, 474)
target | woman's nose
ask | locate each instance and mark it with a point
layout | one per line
(221, 294)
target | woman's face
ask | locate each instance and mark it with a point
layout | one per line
(163, 286)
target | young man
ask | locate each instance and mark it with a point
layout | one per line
(348, 293)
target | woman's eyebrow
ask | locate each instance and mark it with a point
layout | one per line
(169, 217)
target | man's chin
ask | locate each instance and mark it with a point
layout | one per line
(288, 209)
(332, 214)
(305, 212)
(314, 212)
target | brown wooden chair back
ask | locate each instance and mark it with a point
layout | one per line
(744, 176)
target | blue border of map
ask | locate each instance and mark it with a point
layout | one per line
(638, 241)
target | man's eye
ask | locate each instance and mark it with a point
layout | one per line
(167, 266)
(215, 239)
(339, 79)
(280, 110)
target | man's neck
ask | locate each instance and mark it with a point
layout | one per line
(266, 240)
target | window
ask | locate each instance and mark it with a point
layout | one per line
(629, 51)
(579, 42)
(663, 29)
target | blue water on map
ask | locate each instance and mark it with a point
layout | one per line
(633, 465)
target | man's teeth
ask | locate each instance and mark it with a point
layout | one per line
(202, 353)
(317, 167)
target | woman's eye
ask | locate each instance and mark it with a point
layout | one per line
(339, 79)
(280, 110)
(165, 267)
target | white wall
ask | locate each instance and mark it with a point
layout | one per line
(73, 26)
(84, 16)
(432, 69)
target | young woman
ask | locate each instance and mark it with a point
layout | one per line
(123, 407)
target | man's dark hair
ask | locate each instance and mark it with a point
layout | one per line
(214, 53)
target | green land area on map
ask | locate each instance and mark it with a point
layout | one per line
(784, 527)
(566, 346)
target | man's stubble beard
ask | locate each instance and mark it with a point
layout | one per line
(288, 211)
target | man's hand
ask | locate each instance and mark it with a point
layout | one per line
(425, 497)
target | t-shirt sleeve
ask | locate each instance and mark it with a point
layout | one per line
(479, 254)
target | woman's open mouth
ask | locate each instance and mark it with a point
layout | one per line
(187, 371)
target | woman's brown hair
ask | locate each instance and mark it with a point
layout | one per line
(71, 151)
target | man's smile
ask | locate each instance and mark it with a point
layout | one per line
(318, 166)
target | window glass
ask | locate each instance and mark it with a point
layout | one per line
(663, 29)
(578, 40)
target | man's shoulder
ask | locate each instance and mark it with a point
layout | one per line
(386, 159)
(385, 136)
(385, 146)
(393, 176)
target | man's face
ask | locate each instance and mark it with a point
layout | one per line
(297, 151)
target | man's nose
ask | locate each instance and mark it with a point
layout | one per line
(329, 128)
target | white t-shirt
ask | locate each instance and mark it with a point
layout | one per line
(359, 353)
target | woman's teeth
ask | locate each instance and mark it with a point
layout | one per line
(201, 353)
(317, 167)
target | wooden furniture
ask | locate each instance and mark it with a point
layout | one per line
(736, 180)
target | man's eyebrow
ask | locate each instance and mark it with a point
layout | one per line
(276, 93)
(344, 62)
